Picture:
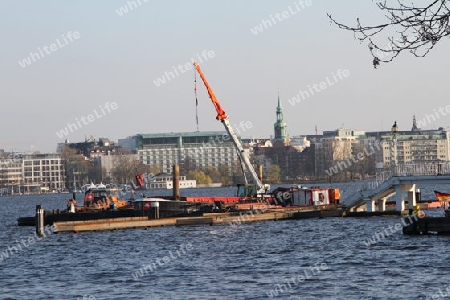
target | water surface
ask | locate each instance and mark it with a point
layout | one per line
(302, 259)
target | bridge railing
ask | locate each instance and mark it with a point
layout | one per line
(422, 169)
(418, 169)
(378, 180)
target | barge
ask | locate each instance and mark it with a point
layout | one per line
(101, 211)
(420, 222)
(99, 204)
(225, 218)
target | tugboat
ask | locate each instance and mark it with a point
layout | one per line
(100, 197)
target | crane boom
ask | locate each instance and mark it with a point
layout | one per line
(222, 116)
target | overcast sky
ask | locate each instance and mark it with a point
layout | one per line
(103, 77)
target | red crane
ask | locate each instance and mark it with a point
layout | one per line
(222, 116)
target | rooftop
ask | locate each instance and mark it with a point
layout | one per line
(183, 134)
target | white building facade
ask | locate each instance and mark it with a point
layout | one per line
(32, 173)
(203, 149)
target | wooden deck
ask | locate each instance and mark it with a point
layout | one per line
(206, 219)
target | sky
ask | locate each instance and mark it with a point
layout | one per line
(103, 80)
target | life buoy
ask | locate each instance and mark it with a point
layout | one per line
(321, 197)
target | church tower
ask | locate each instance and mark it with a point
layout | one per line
(414, 127)
(280, 126)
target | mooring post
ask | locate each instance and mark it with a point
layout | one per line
(39, 220)
(155, 206)
(176, 182)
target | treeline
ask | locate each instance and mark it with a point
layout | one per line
(125, 166)
(223, 175)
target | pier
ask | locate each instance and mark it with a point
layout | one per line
(400, 180)
(233, 219)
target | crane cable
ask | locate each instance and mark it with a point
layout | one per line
(196, 100)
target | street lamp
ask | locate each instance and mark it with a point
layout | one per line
(394, 131)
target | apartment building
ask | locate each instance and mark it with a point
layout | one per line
(414, 147)
(44, 172)
(33, 173)
(210, 148)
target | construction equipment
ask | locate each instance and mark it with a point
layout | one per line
(246, 190)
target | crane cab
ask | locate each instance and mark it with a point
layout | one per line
(247, 190)
(251, 190)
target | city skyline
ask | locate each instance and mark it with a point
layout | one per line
(240, 130)
(63, 64)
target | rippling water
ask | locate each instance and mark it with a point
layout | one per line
(301, 259)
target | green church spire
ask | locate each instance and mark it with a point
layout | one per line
(280, 126)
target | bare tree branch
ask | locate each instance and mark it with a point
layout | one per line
(411, 28)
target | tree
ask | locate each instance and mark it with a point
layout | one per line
(126, 167)
(273, 174)
(237, 175)
(95, 172)
(326, 157)
(213, 173)
(189, 164)
(199, 176)
(156, 169)
(225, 173)
(307, 163)
(221, 174)
(412, 28)
(121, 171)
(76, 166)
(366, 161)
